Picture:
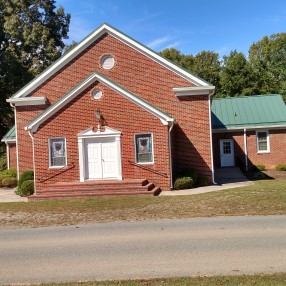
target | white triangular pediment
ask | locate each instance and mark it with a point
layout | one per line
(104, 132)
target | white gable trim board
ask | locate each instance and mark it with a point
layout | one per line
(105, 28)
(81, 87)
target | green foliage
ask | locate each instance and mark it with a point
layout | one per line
(182, 183)
(31, 37)
(267, 58)
(237, 77)
(202, 181)
(190, 172)
(9, 182)
(2, 177)
(260, 167)
(280, 167)
(207, 66)
(10, 172)
(3, 163)
(25, 176)
(27, 188)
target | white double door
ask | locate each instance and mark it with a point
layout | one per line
(101, 158)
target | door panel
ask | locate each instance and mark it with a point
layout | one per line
(109, 159)
(226, 153)
(94, 166)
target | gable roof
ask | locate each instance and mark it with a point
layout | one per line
(91, 38)
(10, 136)
(260, 111)
(93, 77)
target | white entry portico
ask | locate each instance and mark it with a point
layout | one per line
(100, 154)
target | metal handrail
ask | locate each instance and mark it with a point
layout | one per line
(148, 169)
(55, 172)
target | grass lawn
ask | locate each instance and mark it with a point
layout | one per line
(245, 280)
(266, 197)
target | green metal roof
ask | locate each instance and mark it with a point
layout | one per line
(248, 111)
(10, 135)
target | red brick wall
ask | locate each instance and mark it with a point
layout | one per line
(25, 151)
(120, 114)
(12, 155)
(147, 79)
(277, 154)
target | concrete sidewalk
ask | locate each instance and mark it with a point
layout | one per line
(207, 189)
(8, 195)
(226, 178)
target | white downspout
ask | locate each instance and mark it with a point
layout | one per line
(8, 155)
(31, 135)
(170, 156)
(16, 132)
(211, 138)
(245, 149)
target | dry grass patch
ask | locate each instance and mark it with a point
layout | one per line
(243, 280)
(263, 198)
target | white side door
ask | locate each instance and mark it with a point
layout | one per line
(226, 153)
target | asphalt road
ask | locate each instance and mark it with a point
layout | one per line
(166, 248)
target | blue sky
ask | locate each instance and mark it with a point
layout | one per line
(187, 25)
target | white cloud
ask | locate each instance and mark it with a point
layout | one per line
(158, 42)
(79, 29)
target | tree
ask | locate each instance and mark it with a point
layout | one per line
(268, 59)
(69, 47)
(207, 66)
(237, 77)
(173, 55)
(31, 38)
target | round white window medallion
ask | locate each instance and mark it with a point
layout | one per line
(96, 94)
(107, 62)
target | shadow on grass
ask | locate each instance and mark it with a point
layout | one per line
(257, 175)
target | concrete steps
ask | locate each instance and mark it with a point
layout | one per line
(229, 175)
(91, 189)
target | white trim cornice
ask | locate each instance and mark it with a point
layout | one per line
(34, 124)
(193, 90)
(34, 100)
(100, 31)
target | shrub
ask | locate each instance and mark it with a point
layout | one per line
(260, 167)
(280, 167)
(190, 172)
(27, 188)
(10, 172)
(10, 182)
(182, 183)
(202, 181)
(260, 176)
(3, 163)
(25, 176)
(2, 177)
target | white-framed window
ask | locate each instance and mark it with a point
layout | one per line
(57, 152)
(107, 62)
(262, 141)
(144, 153)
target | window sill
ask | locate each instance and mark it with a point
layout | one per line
(263, 152)
(57, 167)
